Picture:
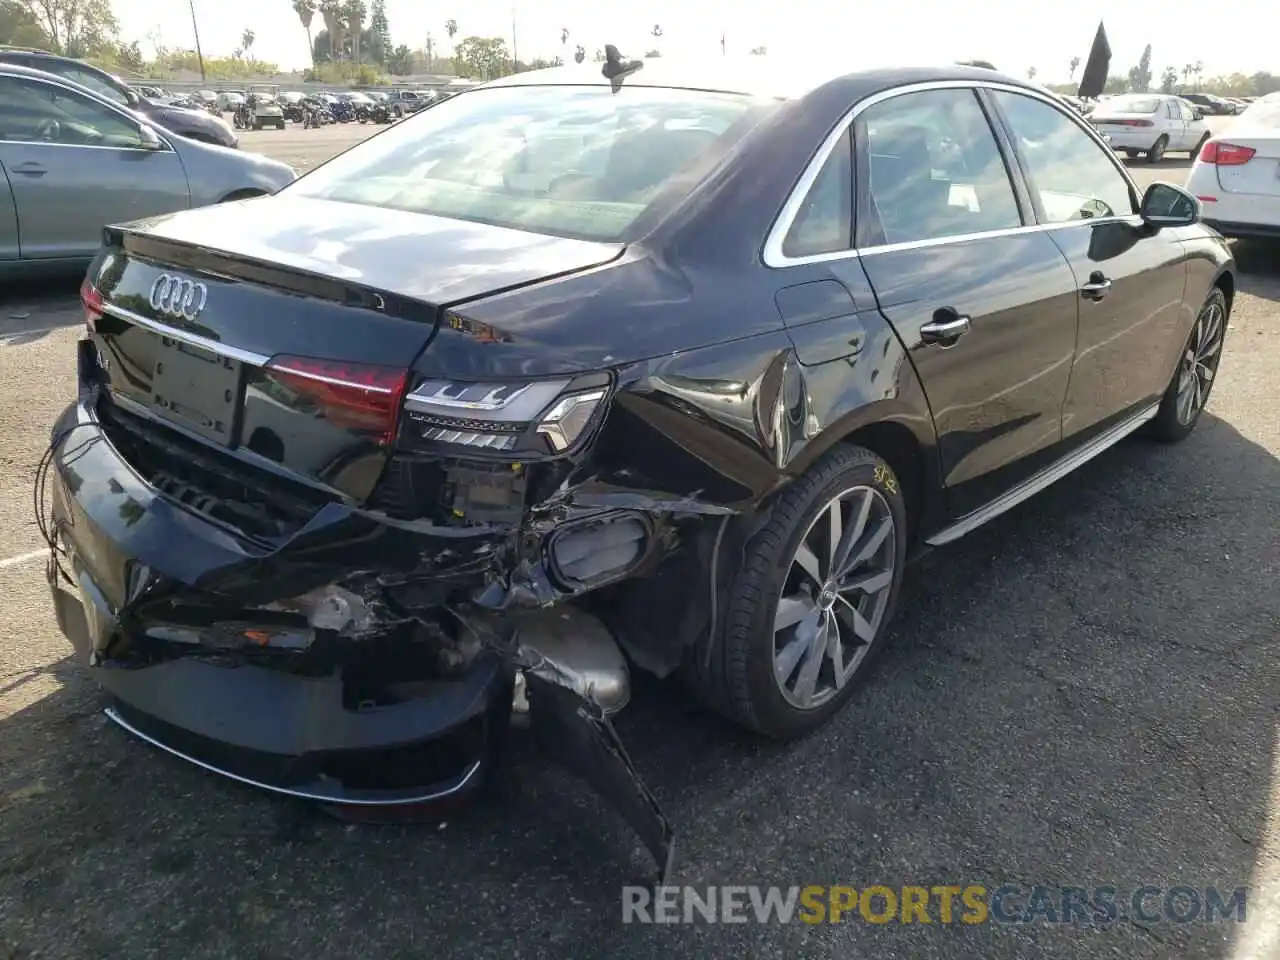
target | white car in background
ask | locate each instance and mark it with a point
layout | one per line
(1237, 175)
(1150, 124)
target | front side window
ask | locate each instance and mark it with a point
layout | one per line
(43, 113)
(934, 169)
(824, 223)
(1072, 174)
(574, 161)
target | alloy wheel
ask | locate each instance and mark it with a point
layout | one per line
(834, 597)
(1200, 362)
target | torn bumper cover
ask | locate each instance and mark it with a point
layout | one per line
(359, 661)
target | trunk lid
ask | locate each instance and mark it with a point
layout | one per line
(1260, 175)
(286, 339)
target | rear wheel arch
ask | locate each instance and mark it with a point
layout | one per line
(904, 439)
(1226, 282)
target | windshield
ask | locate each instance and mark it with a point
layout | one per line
(574, 161)
(1133, 105)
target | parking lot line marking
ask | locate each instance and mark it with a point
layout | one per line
(23, 558)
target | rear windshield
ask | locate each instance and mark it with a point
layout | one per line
(1133, 105)
(1265, 113)
(573, 161)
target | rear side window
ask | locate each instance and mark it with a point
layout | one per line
(1073, 175)
(573, 161)
(934, 169)
(824, 223)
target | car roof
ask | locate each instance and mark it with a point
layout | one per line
(759, 75)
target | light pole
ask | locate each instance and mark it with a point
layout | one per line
(196, 30)
(515, 49)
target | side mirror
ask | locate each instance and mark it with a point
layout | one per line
(150, 139)
(1164, 205)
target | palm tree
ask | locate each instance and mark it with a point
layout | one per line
(1075, 62)
(451, 28)
(355, 12)
(246, 41)
(579, 54)
(1198, 70)
(1031, 73)
(331, 10)
(306, 9)
(564, 36)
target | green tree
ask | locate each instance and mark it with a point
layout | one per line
(379, 32)
(579, 54)
(1169, 80)
(334, 27)
(129, 56)
(481, 58)
(76, 28)
(1140, 76)
(451, 28)
(759, 51)
(1264, 83)
(1075, 64)
(400, 62)
(306, 11)
(246, 41)
(19, 27)
(1031, 73)
(354, 13)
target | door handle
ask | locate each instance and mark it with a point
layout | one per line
(1097, 286)
(30, 169)
(947, 326)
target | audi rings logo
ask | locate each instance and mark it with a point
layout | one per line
(178, 297)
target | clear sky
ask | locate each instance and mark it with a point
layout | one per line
(1014, 36)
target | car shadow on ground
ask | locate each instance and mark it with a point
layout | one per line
(1084, 692)
(31, 310)
(1259, 263)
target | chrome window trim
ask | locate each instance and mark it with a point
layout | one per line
(774, 257)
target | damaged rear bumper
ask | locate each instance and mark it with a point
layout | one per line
(391, 685)
(297, 734)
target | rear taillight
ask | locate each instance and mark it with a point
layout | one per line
(355, 396)
(1127, 123)
(91, 300)
(1225, 154)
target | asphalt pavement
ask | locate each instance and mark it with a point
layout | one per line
(1082, 693)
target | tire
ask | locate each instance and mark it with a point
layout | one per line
(1131, 154)
(1172, 422)
(736, 676)
(1156, 153)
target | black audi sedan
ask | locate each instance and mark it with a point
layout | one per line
(662, 367)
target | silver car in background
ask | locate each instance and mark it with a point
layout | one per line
(73, 161)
